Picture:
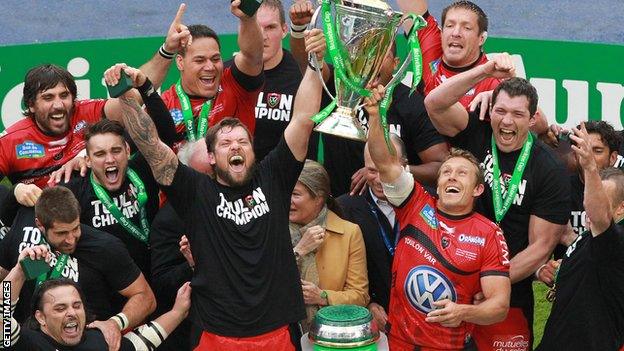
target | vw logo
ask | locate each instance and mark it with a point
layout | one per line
(425, 285)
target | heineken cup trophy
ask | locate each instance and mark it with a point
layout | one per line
(359, 34)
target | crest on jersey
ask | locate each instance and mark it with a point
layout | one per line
(424, 285)
(445, 241)
(273, 99)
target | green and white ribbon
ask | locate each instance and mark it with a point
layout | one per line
(187, 113)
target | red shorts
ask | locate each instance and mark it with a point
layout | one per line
(511, 334)
(277, 340)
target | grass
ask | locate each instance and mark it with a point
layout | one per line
(542, 311)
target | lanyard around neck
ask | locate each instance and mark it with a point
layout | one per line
(187, 113)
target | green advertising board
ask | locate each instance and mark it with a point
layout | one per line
(575, 81)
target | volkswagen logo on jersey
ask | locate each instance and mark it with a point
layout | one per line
(424, 285)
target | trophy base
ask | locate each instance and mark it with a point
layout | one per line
(341, 123)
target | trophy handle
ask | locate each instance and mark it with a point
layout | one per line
(312, 25)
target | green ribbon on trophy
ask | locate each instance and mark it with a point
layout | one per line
(354, 82)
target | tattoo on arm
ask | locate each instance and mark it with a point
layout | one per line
(139, 125)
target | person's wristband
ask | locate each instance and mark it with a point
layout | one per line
(297, 30)
(324, 296)
(147, 88)
(538, 271)
(165, 54)
(121, 320)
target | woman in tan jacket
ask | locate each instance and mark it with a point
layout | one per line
(330, 251)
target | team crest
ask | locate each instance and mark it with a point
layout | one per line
(273, 99)
(249, 201)
(445, 241)
(80, 126)
(424, 285)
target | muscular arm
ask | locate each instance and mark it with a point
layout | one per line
(250, 42)
(432, 157)
(543, 237)
(307, 103)
(388, 165)
(141, 301)
(497, 291)
(160, 157)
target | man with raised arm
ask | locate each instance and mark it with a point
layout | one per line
(207, 92)
(589, 298)
(446, 253)
(526, 194)
(246, 288)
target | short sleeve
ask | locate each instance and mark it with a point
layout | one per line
(183, 188)
(495, 255)
(118, 268)
(552, 201)
(474, 137)
(282, 166)
(430, 40)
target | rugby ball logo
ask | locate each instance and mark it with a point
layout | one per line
(424, 285)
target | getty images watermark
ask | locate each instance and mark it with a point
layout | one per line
(6, 314)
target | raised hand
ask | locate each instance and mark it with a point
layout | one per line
(301, 12)
(178, 35)
(501, 67)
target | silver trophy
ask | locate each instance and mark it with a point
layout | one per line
(364, 30)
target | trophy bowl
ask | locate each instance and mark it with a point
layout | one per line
(365, 30)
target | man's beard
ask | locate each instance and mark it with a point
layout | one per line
(230, 181)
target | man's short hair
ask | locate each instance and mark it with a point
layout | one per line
(201, 31)
(228, 122)
(104, 126)
(615, 175)
(461, 153)
(482, 19)
(42, 78)
(38, 296)
(517, 86)
(609, 136)
(56, 204)
(277, 5)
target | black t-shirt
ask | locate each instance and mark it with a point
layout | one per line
(275, 104)
(92, 340)
(588, 312)
(4, 227)
(543, 192)
(100, 264)
(246, 280)
(94, 214)
(577, 211)
(169, 271)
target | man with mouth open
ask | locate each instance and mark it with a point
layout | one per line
(246, 288)
(59, 316)
(446, 252)
(207, 92)
(527, 192)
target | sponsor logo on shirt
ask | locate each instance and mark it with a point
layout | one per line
(29, 149)
(487, 166)
(428, 214)
(275, 107)
(470, 239)
(244, 210)
(176, 115)
(577, 220)
(80, 126)
(424, 285)
(433, 66)
(510, 343)
(619, 161)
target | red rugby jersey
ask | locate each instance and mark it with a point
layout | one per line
(439, 256)
(29, 156)
(435, 71)
(233, 100)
